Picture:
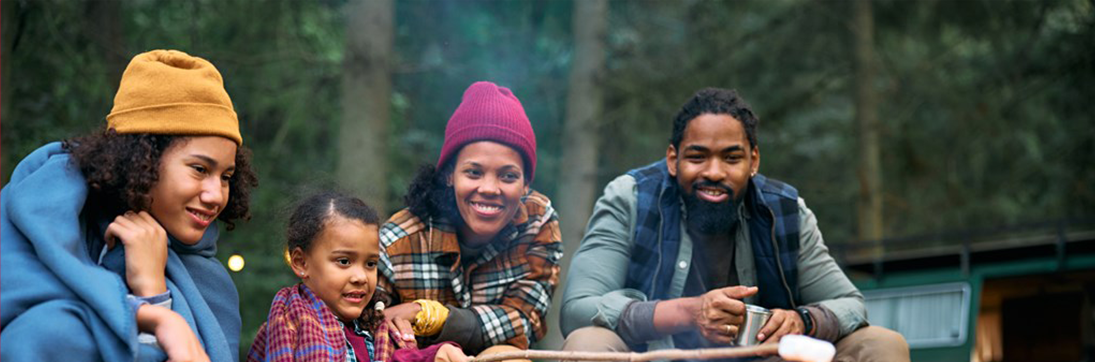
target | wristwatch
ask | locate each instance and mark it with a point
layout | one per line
(807, 320)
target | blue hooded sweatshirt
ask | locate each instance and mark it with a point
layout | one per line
(57, 303)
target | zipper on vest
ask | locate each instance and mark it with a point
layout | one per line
(779, 264)
(658, 267)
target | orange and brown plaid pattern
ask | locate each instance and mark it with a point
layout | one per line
(508, 285)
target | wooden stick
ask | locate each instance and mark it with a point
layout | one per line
(665, 354)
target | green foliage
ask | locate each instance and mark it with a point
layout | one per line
(443, 47)
(983, 103)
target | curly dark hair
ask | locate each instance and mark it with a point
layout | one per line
(121, 170)
(429, 194)
(312, 214)
(371, 317)
(715, 101)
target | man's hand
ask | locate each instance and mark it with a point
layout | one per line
(782, 322)
(145, 243)
(722, 312)
(172, 333)
(401, 316)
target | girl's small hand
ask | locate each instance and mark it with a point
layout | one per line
(145, 243)
(450, 353)
(401, 329)
(402, 315)
(172, 332)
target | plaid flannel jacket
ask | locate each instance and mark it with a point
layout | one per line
(301, 327)
(508, 285)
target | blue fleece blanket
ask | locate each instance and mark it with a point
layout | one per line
(57, 303)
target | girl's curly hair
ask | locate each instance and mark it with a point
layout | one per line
(121, 170)
(372, 317)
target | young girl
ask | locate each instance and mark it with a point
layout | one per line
(334, 248)
(109, 239)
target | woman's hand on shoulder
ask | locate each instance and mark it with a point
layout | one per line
(145, 243)
(450, 353)
(172, 332)
(401, 316)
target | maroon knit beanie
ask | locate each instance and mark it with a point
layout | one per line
(490, 113)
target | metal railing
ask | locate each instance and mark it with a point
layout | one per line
(962, 243)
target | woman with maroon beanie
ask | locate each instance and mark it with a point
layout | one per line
(473, 258)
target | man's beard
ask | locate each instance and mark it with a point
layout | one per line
(711, 218)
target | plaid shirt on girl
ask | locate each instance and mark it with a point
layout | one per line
(508, 285)
(301, 327)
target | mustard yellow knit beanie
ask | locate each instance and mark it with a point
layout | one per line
(171, 92)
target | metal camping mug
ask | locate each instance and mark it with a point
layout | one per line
(755, 318)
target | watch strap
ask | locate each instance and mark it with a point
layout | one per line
(807, 320)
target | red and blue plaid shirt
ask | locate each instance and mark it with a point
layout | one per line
(508, 285)
(301, 327)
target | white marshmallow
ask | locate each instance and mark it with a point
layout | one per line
(805, 349)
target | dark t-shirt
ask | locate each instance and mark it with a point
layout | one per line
(712, 268)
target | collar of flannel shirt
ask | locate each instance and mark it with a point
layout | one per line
(383, 342)
(351, 354)
(425, 255)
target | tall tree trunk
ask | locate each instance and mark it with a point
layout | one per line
(366, 94)
(578, 168)
(866, 115)
(104, 28)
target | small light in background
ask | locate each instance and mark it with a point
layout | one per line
(235, 262)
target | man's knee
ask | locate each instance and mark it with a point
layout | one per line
(872, 344)
(594, 339)
(502, 348)
(884, 337)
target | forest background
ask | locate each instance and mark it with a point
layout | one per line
(894, 119)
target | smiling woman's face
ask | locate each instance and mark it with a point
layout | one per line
(193, 186)
(489, 180)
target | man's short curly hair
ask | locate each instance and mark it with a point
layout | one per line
(715, 101)
(121, 170)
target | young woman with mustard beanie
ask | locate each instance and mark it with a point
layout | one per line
(109, 239)
(473, 259)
